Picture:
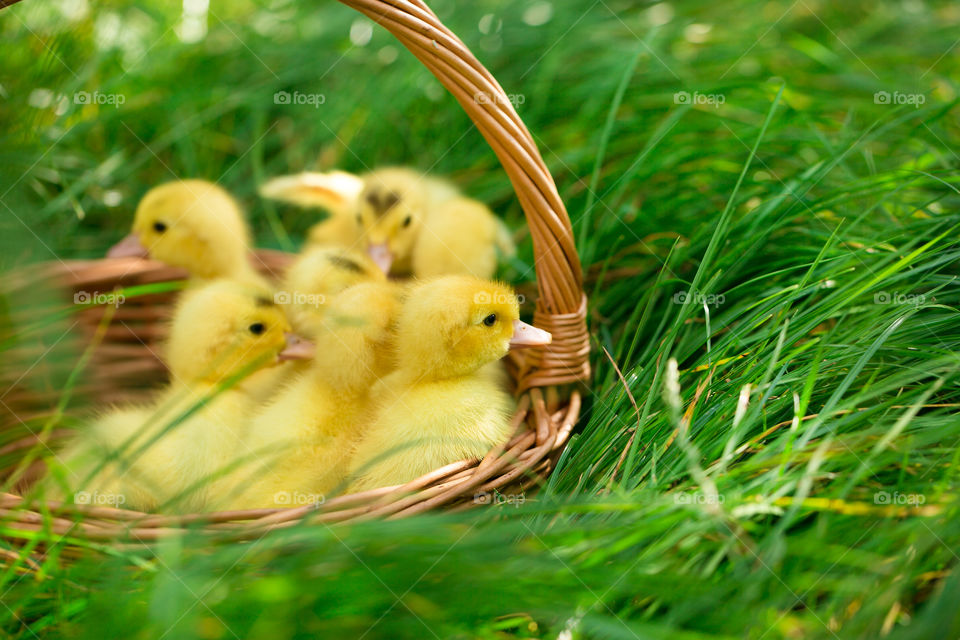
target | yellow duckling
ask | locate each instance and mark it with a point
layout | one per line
(309, 429)
(195, 225)
(175, 452)
(318, 274)
(439, 406)
(198, 226)
(409, 223)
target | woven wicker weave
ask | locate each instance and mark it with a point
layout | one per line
(549, 401)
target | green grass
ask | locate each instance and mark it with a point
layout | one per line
(766, 484)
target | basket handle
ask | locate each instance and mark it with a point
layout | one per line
(561, 304)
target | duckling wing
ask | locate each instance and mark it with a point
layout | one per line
(335, 191)
(300, 444)
(165, 457)
(430, 426)
(96, 463)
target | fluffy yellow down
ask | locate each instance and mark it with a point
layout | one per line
(439, 406)
(174, 454)
(317, 275)
(409, 223)
(308, 431)
(195, 225)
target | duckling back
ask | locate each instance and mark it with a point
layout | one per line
(460, 237)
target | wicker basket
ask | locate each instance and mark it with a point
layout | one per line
(124, 363)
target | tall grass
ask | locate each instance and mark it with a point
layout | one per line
(771, 438)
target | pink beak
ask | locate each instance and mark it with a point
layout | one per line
(381, 256)
(297, 348)
(129, 247)
(526, 335)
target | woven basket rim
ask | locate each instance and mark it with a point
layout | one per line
(549, 402)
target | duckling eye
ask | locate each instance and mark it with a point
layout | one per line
(159, 227)
(407, 221)
(359, 219)
(490, 320)
(257, 328)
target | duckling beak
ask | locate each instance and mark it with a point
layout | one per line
(526, 335)
(129, 247)
(381, 255)
(297, 348)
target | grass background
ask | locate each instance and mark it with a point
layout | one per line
(766, 487)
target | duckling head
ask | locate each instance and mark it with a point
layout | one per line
(390, 211)
(227, 328)
(323, 272)
(192, 224)
(453, 325)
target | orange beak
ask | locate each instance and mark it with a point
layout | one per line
(129, 247)
(297, 348)
(526, 335)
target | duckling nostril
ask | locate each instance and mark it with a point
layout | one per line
(297, 348)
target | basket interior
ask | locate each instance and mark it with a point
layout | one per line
(121, 347)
